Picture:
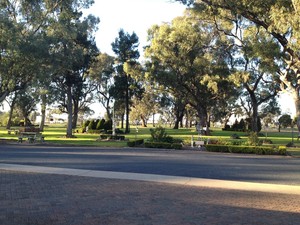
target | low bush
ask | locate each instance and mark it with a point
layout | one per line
(282, 150)
(235, 136)
(112, 137)
(159, 135)
(259, 150)
(267, 141)
(135, 143)
(91, 131)
(163, 145)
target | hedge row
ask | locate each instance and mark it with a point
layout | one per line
(112, 137)
(135, 143)
(259, 150)
(163, 145)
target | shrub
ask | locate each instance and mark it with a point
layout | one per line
(164, 145)
(100, 124)
(119, 131)
(108, 125)
(290, 144)
(85, 125)
(135, 143)
(159, 135)
(92, 125)
(259, 150)
(93, 131)
(282, 150)
(227, 127)
(253, 139)
(267, 141)
(111, 137)
(235, 136)
(236, 142)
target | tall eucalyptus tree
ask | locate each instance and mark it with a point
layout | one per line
(72, 49)
(189, 58)
(279, 20)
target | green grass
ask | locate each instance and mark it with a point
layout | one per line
(55, 134)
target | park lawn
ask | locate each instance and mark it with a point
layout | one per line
(55, 134)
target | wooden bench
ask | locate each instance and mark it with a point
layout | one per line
(10, 131)
(197, 142)
(31, 136)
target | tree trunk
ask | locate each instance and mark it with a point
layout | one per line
(3, 95)
(144, 122)
(70, 112)
(10, 117)
(153, 120)
(178, 121)
(11, 111)
(27, 121)
(187, 120)
(254, 119)
(43, 112)
(122, 121)
(202, 115)
(127, 129)
(296, 98)
(180, 109)
(75, 114)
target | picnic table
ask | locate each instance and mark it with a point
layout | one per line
(31, 136)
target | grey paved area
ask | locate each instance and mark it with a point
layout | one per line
(33, 198)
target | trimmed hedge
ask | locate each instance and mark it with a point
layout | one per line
(259, 150)
(90, 131)
(112, 137)
(135, 143)
(163, 145)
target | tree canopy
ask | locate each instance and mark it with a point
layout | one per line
(279, 20)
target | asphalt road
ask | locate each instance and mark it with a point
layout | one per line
(251, 168)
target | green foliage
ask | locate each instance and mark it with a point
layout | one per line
(259, 150)
(100, 124)
(163, 145)
(135, 143)
(107, 125)
(188, 59)
(126, 86)
(237, 126)
(86, 123)
(92, 131)
(158, 134)
(112, 137)
(92, 125)
(253, 139)
(285, 121)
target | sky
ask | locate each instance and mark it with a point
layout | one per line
(131, 16)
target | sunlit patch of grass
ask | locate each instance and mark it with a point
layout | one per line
(55, 134)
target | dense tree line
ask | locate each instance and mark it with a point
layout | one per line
(272, 38)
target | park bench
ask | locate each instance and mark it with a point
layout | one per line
(31, 137)
(197, 143)
(11, 131)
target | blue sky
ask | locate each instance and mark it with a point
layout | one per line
(131, 15)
